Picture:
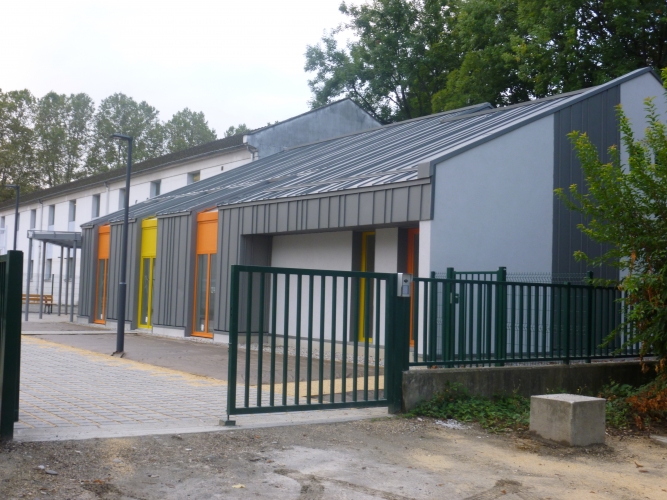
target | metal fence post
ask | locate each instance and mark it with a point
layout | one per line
(589, 317)
(501, 324)
(568, 322)
(397, 347)
(233, 345)
(10, 341)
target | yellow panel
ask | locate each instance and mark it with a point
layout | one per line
(149, 237)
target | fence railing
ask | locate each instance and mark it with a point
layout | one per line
(465, 322)
(303, 339)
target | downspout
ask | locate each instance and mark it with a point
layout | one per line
(106, 185)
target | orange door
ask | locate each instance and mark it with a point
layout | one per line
(102, 274)
(205, 274)
(413, 268)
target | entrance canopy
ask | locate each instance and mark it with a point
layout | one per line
(68, 239)
(63, 239)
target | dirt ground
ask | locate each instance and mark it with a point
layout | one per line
(389, 458)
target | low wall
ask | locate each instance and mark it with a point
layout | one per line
(586, 379)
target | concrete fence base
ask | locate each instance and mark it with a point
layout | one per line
(586, 379)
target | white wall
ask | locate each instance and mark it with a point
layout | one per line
(493, 205)
(633, 94)
(386, 250)
(171, 178)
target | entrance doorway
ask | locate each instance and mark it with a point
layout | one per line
(148, 253)
(205, 274)
(104, 242)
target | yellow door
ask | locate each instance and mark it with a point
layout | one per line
(148, 253)
(367, 265)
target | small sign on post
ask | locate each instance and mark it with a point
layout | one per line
(404, 285)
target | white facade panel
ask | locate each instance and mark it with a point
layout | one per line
(386, 250)
(493, 205)
(633, 94)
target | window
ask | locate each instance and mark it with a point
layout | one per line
(155, 188)
(193, 177)
(48, 266)
(2, 221)
(52, 216)
(96, 206)
(33, 218)
(121, 199)
(72, 211)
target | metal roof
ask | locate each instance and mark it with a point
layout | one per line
(381, 156)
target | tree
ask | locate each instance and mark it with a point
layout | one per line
(187, 129)
(566, 45)
(401, 57)
(483, 33)
(240, 129)
(626, 208)
(120, 113)
(17, 159)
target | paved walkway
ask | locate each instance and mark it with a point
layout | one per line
(73, 393)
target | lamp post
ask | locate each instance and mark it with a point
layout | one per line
(122, 285)
(16, 211)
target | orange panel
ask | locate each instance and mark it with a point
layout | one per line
(207, 232)
(104, 242)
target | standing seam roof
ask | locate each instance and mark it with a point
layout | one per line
(382, 156)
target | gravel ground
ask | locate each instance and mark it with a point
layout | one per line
(389, 458)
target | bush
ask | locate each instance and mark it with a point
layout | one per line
(643, 408)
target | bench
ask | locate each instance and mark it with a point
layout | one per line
(33, 298)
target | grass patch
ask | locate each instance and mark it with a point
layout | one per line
(498, 414)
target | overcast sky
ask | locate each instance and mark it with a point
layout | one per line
(237, 61)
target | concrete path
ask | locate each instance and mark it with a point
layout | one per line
(73, 393)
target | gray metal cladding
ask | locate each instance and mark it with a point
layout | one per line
(87, 272)
(173, 288)
(394, 204)
(596, 116)
(133, 248)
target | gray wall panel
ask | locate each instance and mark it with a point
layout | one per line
(87, 273)
(596, 117)
(414, 202)
(399, 205)
(115, 252)
(366, 207)
(172, 291)
(351, 204)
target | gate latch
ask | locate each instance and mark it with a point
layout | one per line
(404, 285)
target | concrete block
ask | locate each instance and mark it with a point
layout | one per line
(569, 419)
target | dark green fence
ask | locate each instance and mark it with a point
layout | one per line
(11, 271)
(465, 322)
(304, 339)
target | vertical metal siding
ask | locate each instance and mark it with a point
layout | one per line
(87, 273)
(597, 117)
(174, 262)
(133, 250)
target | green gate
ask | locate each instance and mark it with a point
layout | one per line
(303, 339)
(11, 271)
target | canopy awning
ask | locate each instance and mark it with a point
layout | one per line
(69, 239)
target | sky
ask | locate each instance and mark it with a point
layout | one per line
(237, 61)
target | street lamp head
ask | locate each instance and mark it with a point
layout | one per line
(121, 136)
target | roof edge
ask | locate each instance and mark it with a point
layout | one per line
(577, 97)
